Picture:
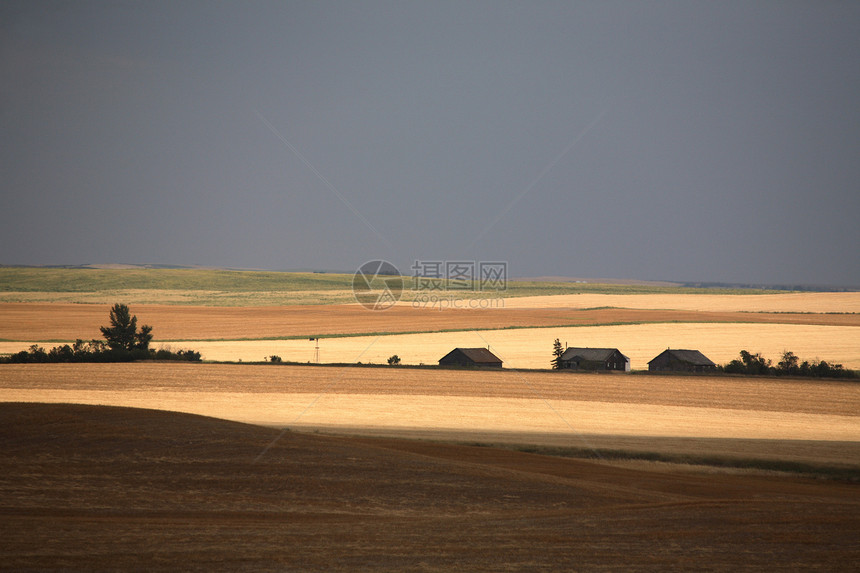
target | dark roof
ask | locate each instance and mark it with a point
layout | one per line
(689, 356)
(476, 355)
(589, 354)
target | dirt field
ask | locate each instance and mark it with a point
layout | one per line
(67, 322)
(89, 488)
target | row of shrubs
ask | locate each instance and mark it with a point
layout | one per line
(96, 351)
(789, 365)
(123, 343)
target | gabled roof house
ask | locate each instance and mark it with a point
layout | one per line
(471, 358)
(681, 361)
(609, 359)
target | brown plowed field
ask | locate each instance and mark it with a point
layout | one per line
(47, 321)
(102, 488)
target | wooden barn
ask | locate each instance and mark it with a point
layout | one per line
(471, 358)
(609, 359)
(681, 361)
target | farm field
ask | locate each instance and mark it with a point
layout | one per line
(221, 287)
(531, 348)
(640, 321)
(98, 488)
(641, 324)
(803, 302)
(809, 420)
(67, 322)
(254, 333)
(376, 468)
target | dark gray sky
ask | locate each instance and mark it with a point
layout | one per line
(692, 141)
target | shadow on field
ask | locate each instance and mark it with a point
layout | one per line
(95, 487)
(838, 460)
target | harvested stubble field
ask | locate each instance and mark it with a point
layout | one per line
(253, 333)
(809, 421)
(802, 302)
(102, 488)
(531, 348)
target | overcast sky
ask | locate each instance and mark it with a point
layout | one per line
(688, 141)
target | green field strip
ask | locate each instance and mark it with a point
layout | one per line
(272, 283)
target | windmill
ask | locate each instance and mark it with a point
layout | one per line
(316, 349)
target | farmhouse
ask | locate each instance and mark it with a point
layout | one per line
(472, 358)
(594, 359)
(681, 361)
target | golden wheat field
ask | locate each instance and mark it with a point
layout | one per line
(253, 333)
(805, 302)
(809, 420)
(815, 302)
(558, 407)
(532, 347)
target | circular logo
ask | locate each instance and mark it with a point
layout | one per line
(377, 285)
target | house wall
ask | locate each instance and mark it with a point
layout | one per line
(458, 359)
(617, 362)
(469, 364)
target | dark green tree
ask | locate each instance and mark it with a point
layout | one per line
(122, 333)
(789, 363)
(143, 338)
(557, 351)
(749, 364)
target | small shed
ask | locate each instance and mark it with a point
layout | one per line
(681, 361)
(609, 359)
(471, 358)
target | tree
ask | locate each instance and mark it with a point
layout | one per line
(557, 351)
(789, 363)
(143, 338)
(749, 364)
(125, 343)
(123, 334)
(755, 363)
(393, 360)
